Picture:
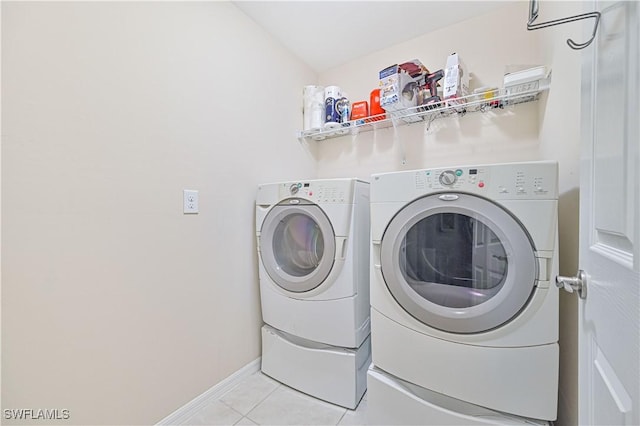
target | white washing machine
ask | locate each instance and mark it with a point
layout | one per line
(313, 249)
(461, 293)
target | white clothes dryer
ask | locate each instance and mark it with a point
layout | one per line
(313, 249)
(461, 292)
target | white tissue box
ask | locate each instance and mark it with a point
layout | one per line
(530, 79)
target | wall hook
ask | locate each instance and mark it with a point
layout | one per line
(533, 15)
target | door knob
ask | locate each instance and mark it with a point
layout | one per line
(571, 284)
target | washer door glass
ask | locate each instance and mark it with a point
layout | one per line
(297, 245)
(464, 265)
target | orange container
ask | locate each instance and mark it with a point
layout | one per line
(376, 109)
(359, 110)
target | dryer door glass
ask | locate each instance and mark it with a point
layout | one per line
(297, 245)
(459, 263)
(453, 260)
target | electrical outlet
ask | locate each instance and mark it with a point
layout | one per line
(190, 201)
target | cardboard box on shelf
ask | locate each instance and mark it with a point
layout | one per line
(456, 78)
(399, 85)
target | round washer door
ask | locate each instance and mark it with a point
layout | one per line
(297, 245)
(458, 262)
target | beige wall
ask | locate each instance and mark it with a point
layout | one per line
(548, 129)
(115, 305)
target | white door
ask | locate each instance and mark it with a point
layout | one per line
(609, 316)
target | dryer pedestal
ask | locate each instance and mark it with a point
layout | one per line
(522, 381)
(391, 401)
(333, 374)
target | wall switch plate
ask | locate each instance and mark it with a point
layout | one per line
(190, 201)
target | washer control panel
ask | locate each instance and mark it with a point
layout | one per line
(338, 191)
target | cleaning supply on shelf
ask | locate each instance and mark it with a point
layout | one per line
(344, 112)
(359, 111)
(313, 107)
(332, 95)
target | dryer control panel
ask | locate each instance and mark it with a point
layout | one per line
(534, 180)
(458, 178)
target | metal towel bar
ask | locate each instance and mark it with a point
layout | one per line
(533, 15)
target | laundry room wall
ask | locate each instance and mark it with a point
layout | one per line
(547, 129)
(487, 44)
(115, 305)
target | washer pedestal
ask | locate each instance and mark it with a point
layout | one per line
(333, 374)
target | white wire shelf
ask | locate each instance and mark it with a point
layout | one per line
(479, 102)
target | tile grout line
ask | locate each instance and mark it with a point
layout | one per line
(262, 400)
(278, 386)
(348, 409)
(295, 391)
(318, 400)
(232, 409)
(243, 417)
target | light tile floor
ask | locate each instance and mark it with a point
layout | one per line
(260, 400)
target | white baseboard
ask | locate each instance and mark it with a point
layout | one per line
(184, 413)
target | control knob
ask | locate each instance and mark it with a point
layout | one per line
(448, 177)
(294, 189)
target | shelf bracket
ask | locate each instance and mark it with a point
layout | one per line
(533, 15)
